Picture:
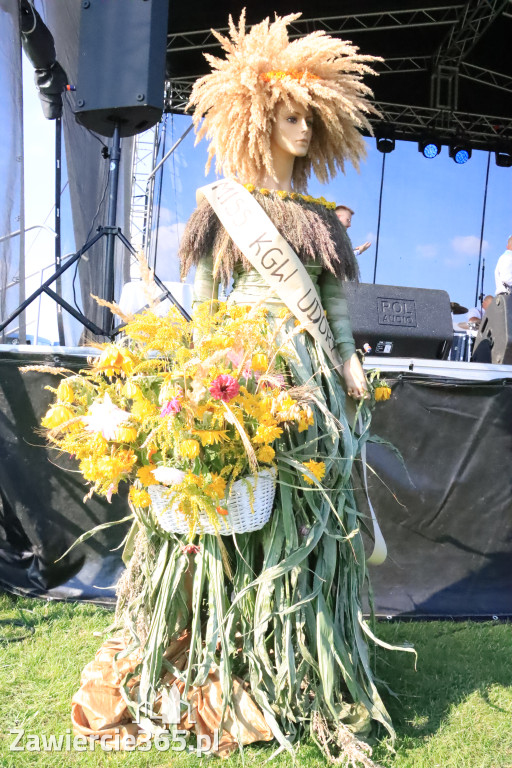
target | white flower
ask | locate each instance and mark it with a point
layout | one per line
(105, 418)
(168, 475)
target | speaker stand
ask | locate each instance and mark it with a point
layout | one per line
(110, 232)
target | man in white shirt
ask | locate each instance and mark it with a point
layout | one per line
(503, 271)
(475, 314)
(344, 214)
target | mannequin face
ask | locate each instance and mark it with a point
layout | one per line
(292, 130)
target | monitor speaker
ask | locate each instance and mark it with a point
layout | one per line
(121, 65)
(400, 322)
(493, 342)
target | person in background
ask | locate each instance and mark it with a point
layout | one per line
(475, 315)
(503, 271)
(344, 214)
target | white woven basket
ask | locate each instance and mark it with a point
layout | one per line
(240, 518)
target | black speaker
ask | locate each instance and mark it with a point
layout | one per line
(400, 322)
(121, 65)
(495, 332)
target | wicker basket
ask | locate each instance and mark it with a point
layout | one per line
(240, 517)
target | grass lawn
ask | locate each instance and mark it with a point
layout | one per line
(455, 711)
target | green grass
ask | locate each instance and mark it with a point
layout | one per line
(455, 711)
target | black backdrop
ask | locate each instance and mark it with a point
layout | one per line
(447, 518)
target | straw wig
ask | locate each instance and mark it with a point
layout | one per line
(263, 68)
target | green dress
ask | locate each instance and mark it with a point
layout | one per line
(295, 600)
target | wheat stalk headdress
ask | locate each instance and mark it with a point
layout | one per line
(262, 68)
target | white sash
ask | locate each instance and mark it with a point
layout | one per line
(273, 257)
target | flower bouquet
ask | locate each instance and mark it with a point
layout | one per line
(187, 413)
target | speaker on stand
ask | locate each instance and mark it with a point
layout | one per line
(119, 93)
(493, 343)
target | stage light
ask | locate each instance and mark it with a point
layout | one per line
(429, 148)
(385, 144)
(503, 158)
(460, 152)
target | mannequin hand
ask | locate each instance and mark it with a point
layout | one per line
(354, 378)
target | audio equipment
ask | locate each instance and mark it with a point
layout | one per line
(493, 342)
(392, 321)
(121, 65)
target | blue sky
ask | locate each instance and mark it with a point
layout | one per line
(431, 212)
(431, 209)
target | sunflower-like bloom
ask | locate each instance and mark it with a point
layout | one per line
(217, 488)
(145, 474)
(212, 436)
(317, 469)
(139, 497)
(190, 449)
(259, 362)
(382, 393)
(56, 416)
(267, 434)
(266, 454)
(125, 435)
(65, 393)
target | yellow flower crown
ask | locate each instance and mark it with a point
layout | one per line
(294, 74)
(292, 196)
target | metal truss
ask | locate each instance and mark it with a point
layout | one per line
(142, 165)
(411, 123)
(474, 20)
(340, 24)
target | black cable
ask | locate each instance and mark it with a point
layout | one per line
(378, 222)
(482, 228)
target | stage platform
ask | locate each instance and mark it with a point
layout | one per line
(446, 514)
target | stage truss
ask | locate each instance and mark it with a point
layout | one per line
(440, 58)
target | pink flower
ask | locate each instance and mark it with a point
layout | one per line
(171, 407)
(224, 387)
(191, 549)
(236, 358)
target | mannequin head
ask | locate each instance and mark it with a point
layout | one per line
(235, 105)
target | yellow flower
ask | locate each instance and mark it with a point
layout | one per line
(57, 415)
(267, 434)
(282, 194)
(130, 389)
(110, 360)
(306, 418)
(145, 474)
(65, 393)
(259, 362)
(142, 408)
(264, 191)
(317, 469)
(217, 488)
(190, 449)
(250, 187)
(212, 436)
(266, 454)
(139, 497)
(125, 435)
(382, 393)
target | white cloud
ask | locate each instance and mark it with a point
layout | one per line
(169, 237)
(468, 245)
(427, 251)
